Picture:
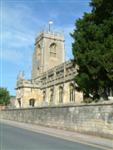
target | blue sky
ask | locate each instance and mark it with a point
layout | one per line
(21, 21)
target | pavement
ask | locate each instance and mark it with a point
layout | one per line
(84, 141)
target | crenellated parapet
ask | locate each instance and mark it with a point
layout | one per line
(59, 74)
(26, 83)
(50, 35)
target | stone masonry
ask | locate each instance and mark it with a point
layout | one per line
(96, 119)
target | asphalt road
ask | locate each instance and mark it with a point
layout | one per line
(12, 138)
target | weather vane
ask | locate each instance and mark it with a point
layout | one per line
(50, 23)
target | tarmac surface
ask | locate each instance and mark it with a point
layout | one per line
(21, 136)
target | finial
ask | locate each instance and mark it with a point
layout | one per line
(20, 76)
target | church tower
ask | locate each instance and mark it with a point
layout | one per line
(48, 53)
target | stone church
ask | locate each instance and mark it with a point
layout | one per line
(52, 82)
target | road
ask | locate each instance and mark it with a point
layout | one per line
(13, 138)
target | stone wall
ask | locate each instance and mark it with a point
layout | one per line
(96, 119)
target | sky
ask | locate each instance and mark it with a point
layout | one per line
(21, 21)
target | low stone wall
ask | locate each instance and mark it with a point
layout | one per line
(96, 119)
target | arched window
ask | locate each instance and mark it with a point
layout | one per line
(32, 102)
(72, 93)
(38, 50)
(44, 95)
(51, 95)
(37, 57)
(60, 94)
(53, 50)
(19, 102)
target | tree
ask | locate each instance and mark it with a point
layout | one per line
(4, 97)
(93, 49)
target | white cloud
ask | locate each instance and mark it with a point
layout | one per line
(17, 39)
(17, 34)
(11, 56)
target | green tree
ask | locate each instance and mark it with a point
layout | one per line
(93, 49)
(4, 96)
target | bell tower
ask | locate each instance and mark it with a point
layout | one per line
(48, 52)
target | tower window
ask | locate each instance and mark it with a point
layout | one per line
(53, 50)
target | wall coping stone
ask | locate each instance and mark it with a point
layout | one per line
(63, 106)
